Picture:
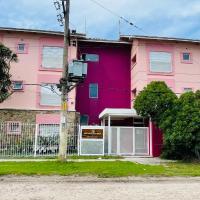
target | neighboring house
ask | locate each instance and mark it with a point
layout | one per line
(36, 98)
(107, 84)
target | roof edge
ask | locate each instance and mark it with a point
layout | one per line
(132, 37)
(38, 31)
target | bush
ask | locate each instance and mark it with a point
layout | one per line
(179, 119)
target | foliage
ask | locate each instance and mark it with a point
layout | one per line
(182, 139)
(155, 101)
(178, 118)
(6, 57)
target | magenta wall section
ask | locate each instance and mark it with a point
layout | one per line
(112, 73)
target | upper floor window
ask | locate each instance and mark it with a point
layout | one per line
(134, 60)
(93, 90)
(17, 85)
(52, 57)
(188, 89)
(161, 62)
(50, 95)
(22, 48)
(186, 57)
(90, 57)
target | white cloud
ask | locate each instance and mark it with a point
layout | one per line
(157, 17)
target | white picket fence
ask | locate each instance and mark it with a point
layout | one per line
(34, 140)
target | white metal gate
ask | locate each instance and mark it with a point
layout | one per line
(127, 140)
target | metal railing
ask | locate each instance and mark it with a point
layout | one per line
(35, 140)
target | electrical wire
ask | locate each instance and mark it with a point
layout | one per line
(117, 15)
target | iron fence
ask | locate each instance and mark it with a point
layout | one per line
(34, 140)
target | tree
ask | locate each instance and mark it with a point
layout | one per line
(155, 102)
(178, 118)
(182, 139)
(6, 57)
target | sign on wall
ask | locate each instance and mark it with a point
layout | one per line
(92, 140)
(92, 133)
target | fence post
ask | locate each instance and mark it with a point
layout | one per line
(35, 143)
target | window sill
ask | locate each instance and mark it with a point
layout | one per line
(186, 62)
(161, 73)
(49, 106)
(50, 69)
(22, 90)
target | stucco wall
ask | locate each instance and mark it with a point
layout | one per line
(111, 73)
(184, 75)
(28, 69)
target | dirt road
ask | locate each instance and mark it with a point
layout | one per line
(72, 188)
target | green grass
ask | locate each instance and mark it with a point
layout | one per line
(76, 157)
(100, 169)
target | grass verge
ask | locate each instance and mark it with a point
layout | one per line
(100, 169)
(73, 157)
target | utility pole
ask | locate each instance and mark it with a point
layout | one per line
(64, 86)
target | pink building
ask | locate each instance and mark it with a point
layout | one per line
(175, 61)
(36, 97)
(121, 69)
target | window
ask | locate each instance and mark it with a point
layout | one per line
(17, 85)
(93, 90)
(49, 130)
(160, 62)
(52, 57)
(186, 57)
(187, 89)
(134, 60)
(21, 48)
(90, 57)
(50, 95)
(84, 120)
(13, 127)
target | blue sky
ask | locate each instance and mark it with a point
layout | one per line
(173, 18)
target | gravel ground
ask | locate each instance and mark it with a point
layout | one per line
(90, 188)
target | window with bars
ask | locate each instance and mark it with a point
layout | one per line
(14, 128)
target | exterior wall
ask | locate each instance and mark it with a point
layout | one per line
(112, 73)
(35, 116)
(184, 75)
(28, 69)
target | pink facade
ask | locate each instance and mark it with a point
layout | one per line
(184, 74)
(28, 69)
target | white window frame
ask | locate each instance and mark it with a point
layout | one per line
(48, 127)
(46, 65)
(96, 97)
(47, 86)
(157, 60)
(17, 89)
(187, 89)
(11, 124)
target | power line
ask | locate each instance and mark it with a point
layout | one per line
(117, 15)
